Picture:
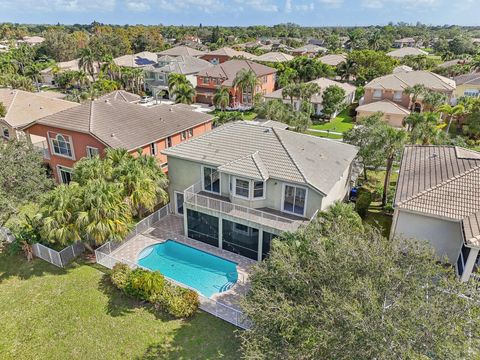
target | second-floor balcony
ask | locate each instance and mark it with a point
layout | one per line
(195, 196)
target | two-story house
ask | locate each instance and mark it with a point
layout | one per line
(242, 184)
(88, 129)
(181, 51)
(387, 94)
(138, 60)
(156, 76)
(223, 75)
(225, 54)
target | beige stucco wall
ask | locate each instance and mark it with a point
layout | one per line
(394, 120)
(460, 90)
(339, 191)
(445, 236)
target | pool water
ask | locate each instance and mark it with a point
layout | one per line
(207, 273)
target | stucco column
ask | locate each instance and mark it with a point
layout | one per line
(260, 244)
(220, 232)
(185, 220)
(468, 268)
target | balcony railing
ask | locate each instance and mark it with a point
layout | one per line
(192, 196)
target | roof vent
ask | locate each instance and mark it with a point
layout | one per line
(171, 109)
(267, 130)
(112, 135)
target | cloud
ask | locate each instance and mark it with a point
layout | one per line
(402, 4)
(59, 5)
(331, 3)
(139, 6)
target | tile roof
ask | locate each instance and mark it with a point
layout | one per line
(181, 51)
(23, 107)
(229, 69)
(406, 51)
(309, 48)
(442, 181)
(261, 151)
(384, 106)
(402, 80)
(468, 79)
(333, 59)
(226, 51)
(402, 68)
(179, 64)
(274, 57)
(120, 124)
(140, 59)
(121, 95)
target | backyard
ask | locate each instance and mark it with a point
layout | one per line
(340, 124)
(75, 313)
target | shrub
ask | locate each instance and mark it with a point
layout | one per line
(144, 284)
(363, 203)
(177, 302)
(120, 275)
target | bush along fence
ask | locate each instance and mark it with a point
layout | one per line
(58, 258)
(106, 256)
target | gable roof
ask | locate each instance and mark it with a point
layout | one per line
(121, 95)
(227, 51)
(309, 48)
(181, 51)
(274, 57)
(384, 106)
(23, 107)
(442, 181)
(140, 59)
(333, 59)
(121, 124)
(402, 68)
(229, 69)
(261, 152)
(406, 51)
(402, 80)
(468, 79)
(180, 64)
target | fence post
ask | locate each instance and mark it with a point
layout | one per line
(73, 250)
(49, 255)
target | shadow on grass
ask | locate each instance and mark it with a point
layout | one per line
(201, 337)
(15, 265)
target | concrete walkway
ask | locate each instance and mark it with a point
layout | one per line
(326, 132)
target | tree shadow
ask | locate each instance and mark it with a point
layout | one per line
(201, 337)
(17, 266)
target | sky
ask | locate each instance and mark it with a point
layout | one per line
(242, 12)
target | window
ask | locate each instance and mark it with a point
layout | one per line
(211, 180)
(242, 188)
(377, 94)
(258, 189)
(169, 141)
(265, 79)
(294, 199)
(471, 93)
(202, 227)
(240, 239)
(6, 133)
(153, 149)
(184, 135)
(267, 242)
(92, 152)
(397, 95)
(190, 132)
(61, 146)
(64, 174)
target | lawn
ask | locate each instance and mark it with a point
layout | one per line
(324, 135)
(246, 115)
(51, 313)
(341, 123)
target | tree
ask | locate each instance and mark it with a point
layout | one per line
(273, 110)
(433, 100)
(23, 178)
(87, 60)
(184, 93)
(392, 141)
(175, 80)
(221, 98)
(451, 112)
(370, 64)
(3, 110)
(291, 91)
(333, 100)
(246, 81)
(415, 92)
(337, 291)
(33, 71)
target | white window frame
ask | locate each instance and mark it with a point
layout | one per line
(375, 91)
(52, 148)
(176, 202)
(235, 188)
(251, 188)
(168, 142)
(153, 149)
(4, 128)
(474, 93)
(190, 132)
(184, 135)
(89, 149)
(59, 172)
(399, 98)
(219, 180)
(283, 199)
(263, 197)
(237, 230)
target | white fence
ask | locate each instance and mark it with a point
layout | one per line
(58, 258)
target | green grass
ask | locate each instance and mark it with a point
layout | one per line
(247, 115)
(343, 122)
(51, 313)
(324, 135)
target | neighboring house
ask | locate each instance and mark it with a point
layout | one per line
(181, 51)
(401, 69)
(406, 51)
(317, 99)
(468, 85)
(391, 89)
(309, 50)
(156, 76)
(405, 42)
(32, 40)
(438, 200)
(225, 54)
(333, 59)
(122, 95)
(450, 63)
(223, 75)
(23, 107)
(88, 129)
(393, 113)
(138, 60)
(318, 42)
(48, 75)
(274, 57)
(242, 184)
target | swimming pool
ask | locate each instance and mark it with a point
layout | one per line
(207, 273)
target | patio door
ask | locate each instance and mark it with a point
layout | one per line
(179, 203)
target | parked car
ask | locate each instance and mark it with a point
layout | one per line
(145, 99)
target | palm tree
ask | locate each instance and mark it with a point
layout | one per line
(307, 90)
(291, 91)
(184, 94)
(433, 100)
(393, 141)
(86, 62)
(222, 98)
(415, 92)
(34, 73)
(427, 132)
(175, 80)
(81, 78)
(247, 81)
(374, 40)
(109, 67)
(451, 112)
(273, 110)
(347, 69)
(413, 120)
